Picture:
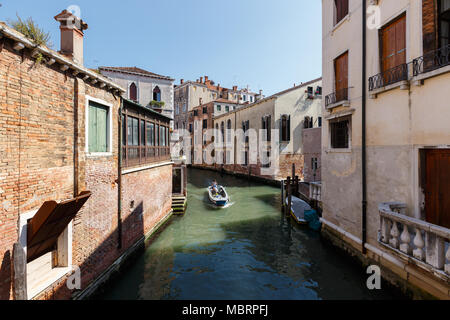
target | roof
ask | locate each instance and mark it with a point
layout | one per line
(136, 71)
(146, 109)
(221, 100)
(56, 57)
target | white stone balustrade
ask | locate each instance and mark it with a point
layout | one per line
(315, 191)
(426, 244)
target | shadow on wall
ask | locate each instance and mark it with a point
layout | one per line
(5, 276)
(105, 254)
(297, 138)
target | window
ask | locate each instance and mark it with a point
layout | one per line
(251, 98)
(308, 122)
(195, 113)
(157, 94)
(339, 133)
(245, 98)
(150, 134)
(219, 108)
(320, 122)
(341, 9)
(341, 77)
(133, 131)
(266, 125)
(229, 131)
(285, 131)
(245, 127)
(222, 129)
(310, 91)
(314, 164)
(205, 124)
(98, 129)
(190, 127)
(393, 44)
(444, 23)
(133, 92)
(318, 91)
(205, 110)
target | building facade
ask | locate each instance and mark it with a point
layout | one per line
(385, 147)
(68, 207)
(292, 112)
(144, 87)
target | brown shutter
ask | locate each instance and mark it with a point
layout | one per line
(49, 223)
(341, 75)
(429, 25)
(393, 44)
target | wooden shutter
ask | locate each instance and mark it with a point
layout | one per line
(98, 126)
(288, 129)
(341, 9)
(49, 223)
(429, 25)
(269, 128)
(92, 133)
(341, 76)
(393, 44)
(102, 120)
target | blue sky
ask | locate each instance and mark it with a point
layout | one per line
(265, 44)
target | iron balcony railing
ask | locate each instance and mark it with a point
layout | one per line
(335, 97)
(432, 60)
(390, 76)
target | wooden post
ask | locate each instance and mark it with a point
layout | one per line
(296, 186)
(283, 193)
(20, 272)
(289, 194)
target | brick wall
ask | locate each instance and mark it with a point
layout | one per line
(42, 116)
(312, 142)
(429, 25)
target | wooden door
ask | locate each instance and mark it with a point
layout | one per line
(341, 76)
(437, 193)
(393, 45)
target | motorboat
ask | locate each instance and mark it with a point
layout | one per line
(219, 198)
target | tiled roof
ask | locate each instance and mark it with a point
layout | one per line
(136, 71)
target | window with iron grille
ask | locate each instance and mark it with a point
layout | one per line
(339, 132)
(285, 131)
(205, 124)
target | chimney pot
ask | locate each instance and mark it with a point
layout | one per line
(201, 79)
(72, 33)
(181, 81)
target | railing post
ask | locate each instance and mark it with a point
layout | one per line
(419, 253)
(435, 254)
(384, 230)
(405, 240)
(394, 235)
(447, 266)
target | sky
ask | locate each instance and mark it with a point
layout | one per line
(268, 45)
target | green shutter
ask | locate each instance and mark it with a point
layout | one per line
(92, 130)
(98, 128)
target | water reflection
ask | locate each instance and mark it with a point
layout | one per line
(247, 251)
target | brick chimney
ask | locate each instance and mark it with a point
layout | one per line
(206, 78)
(72, 33)
(201, 79)
(235, 88)
(181, 81)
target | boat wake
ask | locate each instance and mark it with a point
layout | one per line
(213, 206)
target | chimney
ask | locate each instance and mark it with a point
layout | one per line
(72, 33)
(234, 88)
(201, 79)
(181, 81)
(206, 78)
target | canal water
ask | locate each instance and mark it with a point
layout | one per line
(249, 250)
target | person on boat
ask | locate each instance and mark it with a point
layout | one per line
(214, 186)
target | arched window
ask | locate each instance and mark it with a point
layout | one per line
(133, 92)
(229, 131)
(156, 94)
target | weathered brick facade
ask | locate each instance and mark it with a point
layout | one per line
(43, 157)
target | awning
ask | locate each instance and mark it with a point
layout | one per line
(49, 223)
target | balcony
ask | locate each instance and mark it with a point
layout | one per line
(415, 241)
(336, 99)
(390, 79)
(432, 63)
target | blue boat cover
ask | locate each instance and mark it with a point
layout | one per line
(312, 218)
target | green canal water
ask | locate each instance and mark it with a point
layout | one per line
(249, 250)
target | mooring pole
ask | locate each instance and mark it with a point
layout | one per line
(289, 194)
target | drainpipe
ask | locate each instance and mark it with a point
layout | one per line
(119, 180)
(364, 142)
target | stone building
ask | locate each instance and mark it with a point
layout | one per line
(386, 139)
(68, 206)
(294, 112)
(144, 87)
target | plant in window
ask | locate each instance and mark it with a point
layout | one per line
(156, 104)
